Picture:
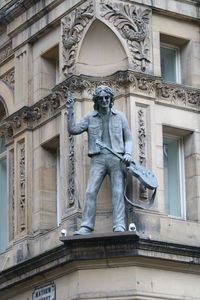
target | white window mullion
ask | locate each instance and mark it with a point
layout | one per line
(3, 203)
(58, 187)
(182, 178)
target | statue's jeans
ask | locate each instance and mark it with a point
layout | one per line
(101, 165)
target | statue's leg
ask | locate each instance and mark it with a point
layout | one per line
(96, 175)
(118, 205)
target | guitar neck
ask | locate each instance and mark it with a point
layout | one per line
(113, 152)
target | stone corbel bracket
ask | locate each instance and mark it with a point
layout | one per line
(151, 87)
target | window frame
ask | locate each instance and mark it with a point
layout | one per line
(181, 173)
(177, 60)
(58, 187)
(3, 156)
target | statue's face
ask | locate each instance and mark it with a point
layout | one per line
(103, 100)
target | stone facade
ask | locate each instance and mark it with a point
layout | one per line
(48, 47)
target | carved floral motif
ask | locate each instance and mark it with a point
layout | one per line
(73, 29)
(142, 147)
(176, 95)
(9, 77)
(132, 23)
(71, 173)
(22, 187)
(5, 52)
(6, 130)
(126, 78)
(141, 137)
(165, 93)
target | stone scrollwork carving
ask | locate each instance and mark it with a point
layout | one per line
(71, 174)
(142, 146)
(73, 29)
(6, 52)
(78, 84)
(6, 129)
(176, 95)
(9, 78)
(126, 78)
(194, 98)
(141, 137)
(163, 92)
(132, 23)
(22, 187)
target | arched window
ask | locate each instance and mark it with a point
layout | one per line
(3, 187)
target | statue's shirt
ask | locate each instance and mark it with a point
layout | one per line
(116, 131)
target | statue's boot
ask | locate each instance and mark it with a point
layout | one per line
(119, 229)
(83, 231)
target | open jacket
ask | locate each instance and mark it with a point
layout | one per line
(120, 135)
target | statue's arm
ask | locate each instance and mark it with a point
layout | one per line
(74, 128)
(128, 143)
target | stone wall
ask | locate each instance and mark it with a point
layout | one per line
(47, 47)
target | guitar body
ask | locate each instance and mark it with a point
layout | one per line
(144, 175)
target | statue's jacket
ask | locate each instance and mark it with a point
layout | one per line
(120, 135)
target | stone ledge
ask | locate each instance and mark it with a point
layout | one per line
(120, 249)
(91, 239)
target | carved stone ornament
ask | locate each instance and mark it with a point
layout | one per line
(9, 78)
(165, 93)
(141, 137)
(5, 52)
(177, 95)
(71, 174)
(142, 147)
(22, 185)
(132, 23)
(73, 29)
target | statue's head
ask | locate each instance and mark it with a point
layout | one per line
(98, 92)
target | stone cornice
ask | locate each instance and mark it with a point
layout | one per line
(185, 9)
(13, 9)
(122, 82)
(6, 52)
(121, 249)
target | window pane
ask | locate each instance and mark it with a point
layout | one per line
(3, 206)
(172, 177)
(2, 145)
(168, 64)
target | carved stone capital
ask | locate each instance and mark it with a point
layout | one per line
(6, 129)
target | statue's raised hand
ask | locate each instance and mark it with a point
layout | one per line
(69, 101)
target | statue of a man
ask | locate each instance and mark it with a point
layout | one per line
(111, 127)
